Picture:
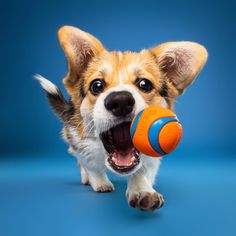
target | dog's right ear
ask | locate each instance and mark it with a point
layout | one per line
(80, 47)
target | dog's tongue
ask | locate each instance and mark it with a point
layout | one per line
(123, 159)
(123, 144)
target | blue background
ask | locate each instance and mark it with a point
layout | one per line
(40, 191)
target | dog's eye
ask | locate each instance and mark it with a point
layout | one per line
(97, 86)
(144, 85)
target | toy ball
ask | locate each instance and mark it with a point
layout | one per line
(155, 131)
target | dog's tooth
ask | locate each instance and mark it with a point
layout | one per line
(113, 159)
(133, 158)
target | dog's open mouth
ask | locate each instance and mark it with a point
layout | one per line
(123, 156)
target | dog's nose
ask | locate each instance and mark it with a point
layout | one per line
(119, 103)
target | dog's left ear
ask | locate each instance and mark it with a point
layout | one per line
(180, 62)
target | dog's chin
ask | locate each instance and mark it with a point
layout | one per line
(123, 158)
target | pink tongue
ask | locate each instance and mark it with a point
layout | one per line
(122, 159)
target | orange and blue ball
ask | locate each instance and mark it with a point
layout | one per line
(156, 131)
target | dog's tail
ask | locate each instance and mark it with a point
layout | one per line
(63, 108)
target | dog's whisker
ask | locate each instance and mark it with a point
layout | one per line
(85, 132)
(82, 122)
(87, 125)
(90, 131)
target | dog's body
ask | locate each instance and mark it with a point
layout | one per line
(106, 90)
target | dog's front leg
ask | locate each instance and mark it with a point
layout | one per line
(95, 174)
(92, 168)
(99, 181)
(92, 161)
(140, 192)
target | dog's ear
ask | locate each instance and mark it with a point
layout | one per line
(79, 47)
(180, 62)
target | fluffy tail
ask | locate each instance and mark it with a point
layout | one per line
(63, 108)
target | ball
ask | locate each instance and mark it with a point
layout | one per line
(155, 131)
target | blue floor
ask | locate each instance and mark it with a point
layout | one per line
(42, 195)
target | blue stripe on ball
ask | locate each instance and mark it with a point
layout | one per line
(135, 123)
(154, 131)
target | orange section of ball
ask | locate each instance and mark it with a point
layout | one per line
(148, 117)
(153, 113)
(169, 136)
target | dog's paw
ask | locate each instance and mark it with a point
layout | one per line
(145, 201)
(101, 184)
(105, 188)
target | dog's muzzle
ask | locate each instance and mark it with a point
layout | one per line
(123, 156)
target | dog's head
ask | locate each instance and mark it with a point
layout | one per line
(108, 88)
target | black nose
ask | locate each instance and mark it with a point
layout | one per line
(120, 103)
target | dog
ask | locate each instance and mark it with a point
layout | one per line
(107, 89)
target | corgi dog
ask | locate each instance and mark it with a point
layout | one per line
(107, 89)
